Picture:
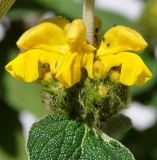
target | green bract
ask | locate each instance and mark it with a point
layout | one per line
(90, 101)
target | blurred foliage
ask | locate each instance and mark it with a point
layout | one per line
(142, 144)
(16, 96)
(148, 22)
(12, 146)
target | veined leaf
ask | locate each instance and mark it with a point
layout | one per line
(57, 137)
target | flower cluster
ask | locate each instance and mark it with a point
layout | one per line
(58, 49)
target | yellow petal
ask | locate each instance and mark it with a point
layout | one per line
(53, 59)
(25, 65)
(70, 72)
(104, 64)
(58, 20)
(120, 39)
(114, 74)
(76, 33)
(45, 36)
(133, 69)
(87, 63)
(99, 69)
(10, 67)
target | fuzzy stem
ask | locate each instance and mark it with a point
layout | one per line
(88, 18)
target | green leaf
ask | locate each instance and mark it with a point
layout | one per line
(57, 137)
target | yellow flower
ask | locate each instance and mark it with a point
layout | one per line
(115, 52)
(54, 47)
(57, 48)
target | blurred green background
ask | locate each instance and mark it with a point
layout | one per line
(18, 96)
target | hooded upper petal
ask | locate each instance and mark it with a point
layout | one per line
(76, 34)
(45, 36)
(120, 39)
(79, 56)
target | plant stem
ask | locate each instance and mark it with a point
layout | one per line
(88, 18)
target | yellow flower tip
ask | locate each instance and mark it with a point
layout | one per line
(48, 76)
(144, 77)
(114, 74)
(9, 69)
(44, 71)
(144, 45)
(119, 39)
(99, 69)
(76, 33)
(64, 80)
(102, 90)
